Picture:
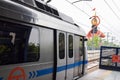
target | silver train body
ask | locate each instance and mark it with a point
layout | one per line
(39, 43)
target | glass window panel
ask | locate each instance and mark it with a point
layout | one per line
(61, 46)
(70, 46)
(81, 46)
(33, 46)
(18, 43)
(13, 39)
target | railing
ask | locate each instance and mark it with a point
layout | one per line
(93, 58)
(110, 58)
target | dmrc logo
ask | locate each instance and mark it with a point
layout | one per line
(17, 73)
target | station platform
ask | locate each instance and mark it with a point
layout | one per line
(101, 74)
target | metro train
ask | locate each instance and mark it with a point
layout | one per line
(39, 43)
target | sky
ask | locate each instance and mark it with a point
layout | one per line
(107, 10)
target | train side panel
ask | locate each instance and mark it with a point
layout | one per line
(37, 46)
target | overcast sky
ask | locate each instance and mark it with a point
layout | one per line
(107, 10)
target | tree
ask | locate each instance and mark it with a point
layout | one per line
(94, 42)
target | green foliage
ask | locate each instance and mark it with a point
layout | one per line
(94, 42)
(4, 48)
(33, 48)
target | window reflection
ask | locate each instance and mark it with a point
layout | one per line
(33, 45)
(61, 46)
(70, 46)
(18, 43)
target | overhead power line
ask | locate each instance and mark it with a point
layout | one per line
(116, 5)
(112, 10)
(76, 1)
(108, 28)
(80, 0)
(78, 8)
(90, 16)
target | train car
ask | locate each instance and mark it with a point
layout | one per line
(39, 43)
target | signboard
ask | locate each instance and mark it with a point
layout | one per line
(116, 58)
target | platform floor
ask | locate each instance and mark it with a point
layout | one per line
(101, 74)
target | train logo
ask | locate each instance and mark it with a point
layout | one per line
(17, 73)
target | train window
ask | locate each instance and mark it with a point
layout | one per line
(33, 46)
(70, 46)
(61, 46)
(81, 46)
(14, 46)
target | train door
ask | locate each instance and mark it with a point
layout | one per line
(65, 60)
(70, 56)
(78, 58)
(61, 55)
